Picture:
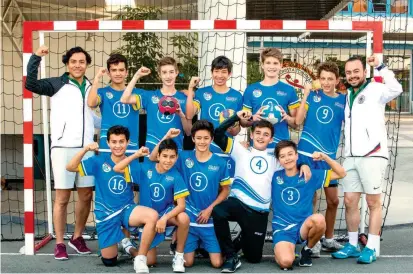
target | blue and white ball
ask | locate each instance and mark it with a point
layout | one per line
(272, 114)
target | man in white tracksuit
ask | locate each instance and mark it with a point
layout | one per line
(365, 150)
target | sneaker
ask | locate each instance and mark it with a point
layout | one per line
(348, 251)
(231, 265)
(79, 245)
(331, 246)
(60, 252)
(178, 264)
(367, 256)
(126, 245)
(172, 248)
(305, 259)
(316, 250)
(139, 264)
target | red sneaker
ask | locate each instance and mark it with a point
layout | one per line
(79, 245)
(60, 252)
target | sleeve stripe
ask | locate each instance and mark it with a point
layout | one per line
(99, 100)
(81, 170)
(294, 105)
(181, 195)
(245, 107)
(138, 104)
(127, 175)
(327, 178)
(197, 105)
(226, 182)
(229, 145)
(307, 105)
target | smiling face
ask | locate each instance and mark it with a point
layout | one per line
(220, 76)
(167, 158)
(261, 137)
(118, 144)
(328, 81)
(168, 74)
(202, 140)
(271, 67)
(118, 73)
(355, 73)
(77, 65)
(288, 158)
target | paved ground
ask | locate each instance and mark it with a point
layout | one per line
(397, 256)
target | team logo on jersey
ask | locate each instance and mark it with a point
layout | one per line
(169, 178)
(339, 105)
(257, 93)
(155, 99)
(149, 174)
(231, 99)
(109, 95)
(207, 96)
(301, 180)
(280, 180)
(281, 93)
(106, 167)
(362, 98)
(213, 168)
(316, 98)
(189, 163)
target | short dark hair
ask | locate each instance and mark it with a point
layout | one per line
(329, 67)
(221, 62)
(115, 59)
(70, 52)
(118, 130)
(263, 124)
(283, 144)
(356, 58)
(202, 125)
(167, 144)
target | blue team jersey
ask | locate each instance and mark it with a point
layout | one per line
(322, 127)
(292, 197)
(162, 189)
(112, 192)
(203, 180)
(230, 162)
(115, 113)
(158, 124)
(210, 103)
(281, 94)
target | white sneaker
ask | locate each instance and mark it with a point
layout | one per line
(316, 250)
(126, 245)
(331, 246)
(139, 264)
(178, 264)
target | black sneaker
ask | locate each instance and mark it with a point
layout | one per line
(237, 241)
(231, 265)
(172, 249)
(306, 257)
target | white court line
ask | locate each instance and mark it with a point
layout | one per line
(164, 255)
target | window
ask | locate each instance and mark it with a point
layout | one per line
(360, 6)
(379, 5)
(399, 6)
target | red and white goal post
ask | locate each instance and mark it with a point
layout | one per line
(374, 43)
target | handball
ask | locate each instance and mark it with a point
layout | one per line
(168, 105)
(272, 114)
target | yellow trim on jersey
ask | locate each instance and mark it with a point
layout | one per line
(197, 106)
(294, 106)
(99, 100)
(181, 195)
(138, 104)
(229, 145)
(246, 108)
(328, 178)
(306, 105)
(127, 176)
(81, 171)
(226, 182)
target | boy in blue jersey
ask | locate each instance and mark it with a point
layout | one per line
(272, 92)
(162, 186)
(208, 181)
(210, 102)
(323, 111)
(113, 111)
(114, 205)
(293, 221)
(158, 124)
(250, 196)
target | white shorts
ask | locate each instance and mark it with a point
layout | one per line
(64, 179)
(364, 174)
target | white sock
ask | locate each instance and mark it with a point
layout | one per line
(141, 257)
(327, 240)
(178, 254)
(353, 238)
(306, 247)
(127, 249)
(373, 241)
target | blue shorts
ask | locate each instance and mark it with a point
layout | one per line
(202, 236)
(286, 234)
(160, 237)
(306, 160)
(110, 231)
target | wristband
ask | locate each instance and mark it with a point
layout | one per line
(380, 67)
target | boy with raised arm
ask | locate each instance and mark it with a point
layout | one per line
(323, 111)
(250, 197)
(208, 181)
(161, 186)
(114, 205)
(158, 124)
(293, 221)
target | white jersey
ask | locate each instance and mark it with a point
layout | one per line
(254, 170)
